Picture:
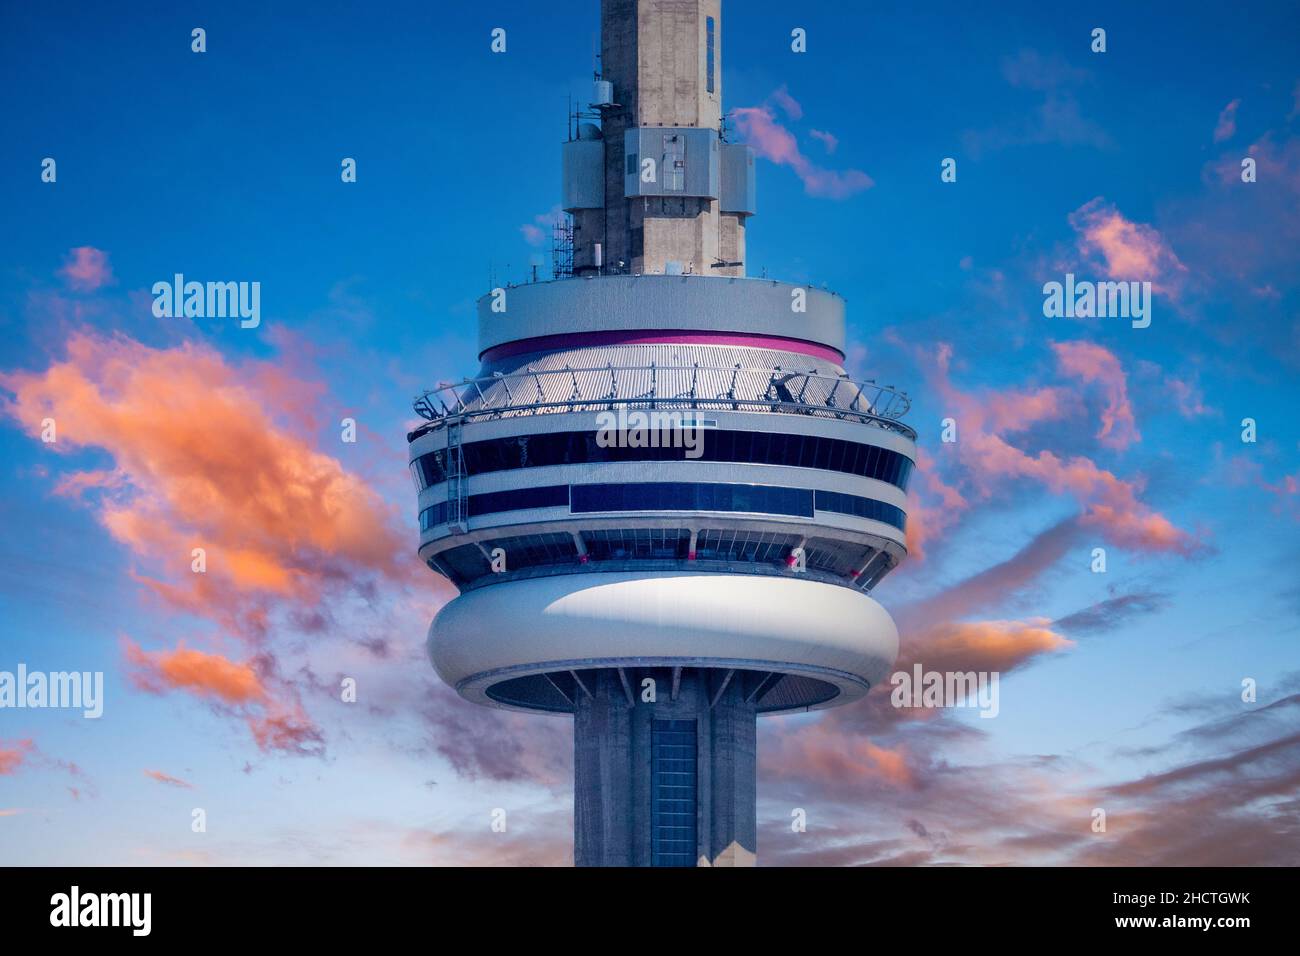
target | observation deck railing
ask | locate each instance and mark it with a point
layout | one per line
(663, 387)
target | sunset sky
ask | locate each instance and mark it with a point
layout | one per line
(1119, 690)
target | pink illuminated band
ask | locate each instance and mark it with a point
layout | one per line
(578, 340)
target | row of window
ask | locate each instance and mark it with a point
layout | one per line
(688, 496)
(711, 444)
(469, 562)
(672, 496)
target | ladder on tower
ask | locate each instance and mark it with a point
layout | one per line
(457, 498)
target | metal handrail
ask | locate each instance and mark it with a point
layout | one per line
(490, 397)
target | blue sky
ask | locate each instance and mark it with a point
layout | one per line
(1119, 689)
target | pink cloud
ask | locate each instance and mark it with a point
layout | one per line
(1095, 364)
(761, 130)
(782, 98)
(1188, 398)
(829, 140)
(988, 460)
(1128, 250)
(932, 511)
(1226, 127)
(538, 232)
(87, 269)
(12, 755)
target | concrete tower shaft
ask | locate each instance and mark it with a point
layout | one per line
(663, 500)
(674, 197)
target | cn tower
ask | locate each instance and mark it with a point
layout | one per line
(663, 501)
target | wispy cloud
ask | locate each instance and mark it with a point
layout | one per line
(1096, 365)
(1226, 127)
(168, 779)
(1056, 118)
(829, 140)
(987, 459)
(87, 269)
(538, 232)
(12, 754)
(762, 130)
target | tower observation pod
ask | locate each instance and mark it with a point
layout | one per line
(662, 499)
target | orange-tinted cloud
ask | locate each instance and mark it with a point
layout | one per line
(984, 645)
(168, 779)
(200, 462)
(12, 754)
(270, 707)
(87, 269)
(206, 675)
(208, 454)
(818, 754)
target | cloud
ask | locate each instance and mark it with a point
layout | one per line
(206, 454)
(812, 754)
(199, 461)
(24, 753)
(763, 131)
(1226, 127)
(1231, 803)
(205, 675)
(277, 720)
(1094, 364)
(931, 511)
(990, 646)
(538, 232)
(12, 754)
(1112, 613)
(483, 743)
(989, 461)
(992, 586)
(168, 779)
(1124, 249)
(829, 140)
(782, 98)
(1031, 70)
(1056, 117)
(87, 269)
(1188, 398)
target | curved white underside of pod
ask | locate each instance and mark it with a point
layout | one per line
(568, 622)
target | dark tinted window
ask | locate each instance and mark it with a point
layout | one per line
(684, 496)
(726, 445)
(860, 507)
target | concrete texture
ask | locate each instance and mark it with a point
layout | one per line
(612, 765)
(654, 54)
